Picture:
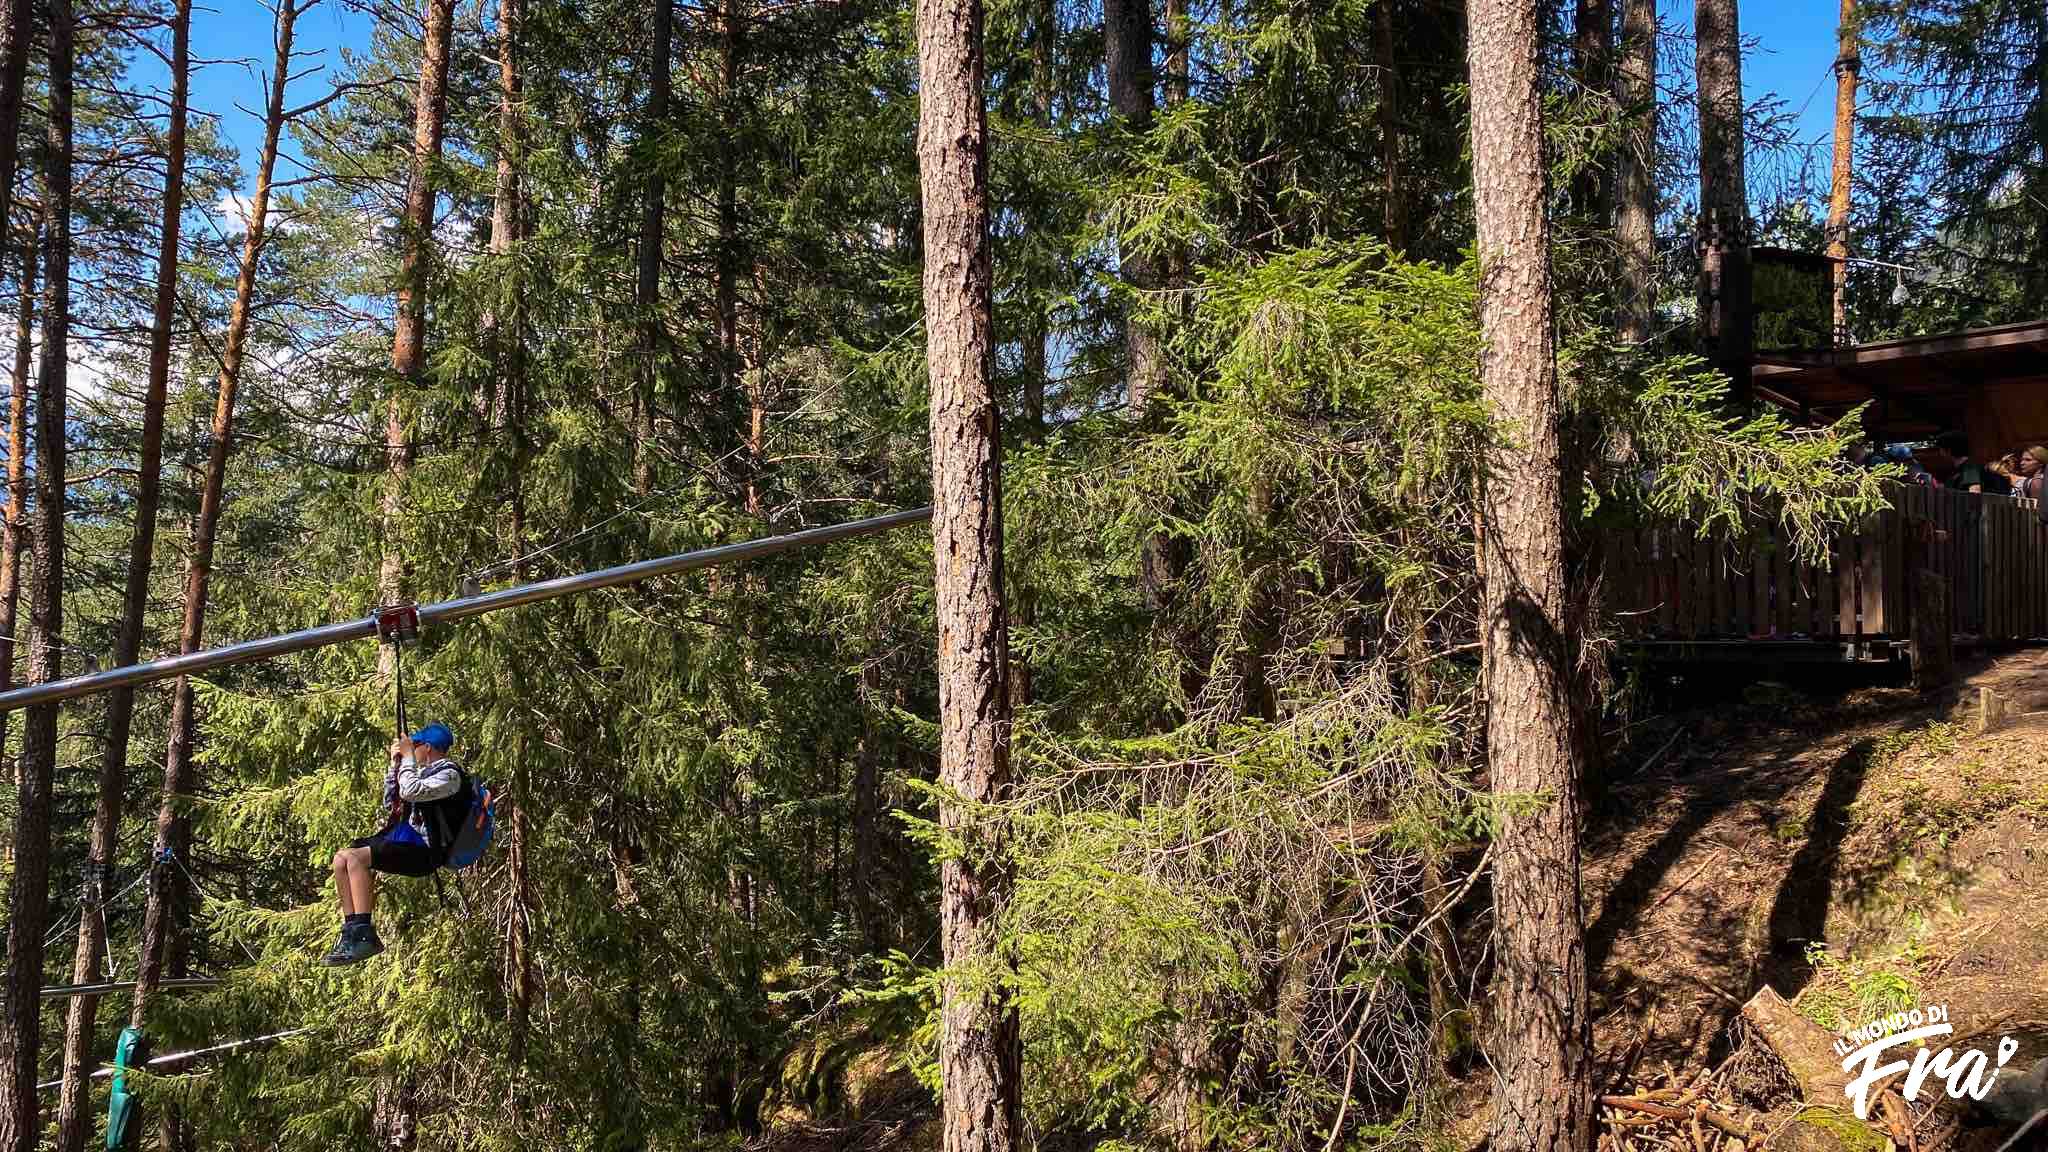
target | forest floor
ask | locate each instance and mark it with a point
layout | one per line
(1861, 850)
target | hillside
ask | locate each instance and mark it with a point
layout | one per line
(1862, 853)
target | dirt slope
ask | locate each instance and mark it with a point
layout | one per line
(1859, 852)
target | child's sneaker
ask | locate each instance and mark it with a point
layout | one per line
(357, 944)
(338, 955)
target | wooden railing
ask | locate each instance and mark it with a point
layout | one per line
(1990, 553)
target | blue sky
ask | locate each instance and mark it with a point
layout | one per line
(238, 34)
(1793, 57)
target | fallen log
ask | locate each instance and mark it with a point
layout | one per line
(1805, 1049)
(1807, 1052)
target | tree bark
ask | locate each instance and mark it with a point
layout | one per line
(28, 901)
(408, 345)
(1848, 66)
(74, 1116)
(508, 215)
(1127, 47)
(16, 34)
(647, 282)
(1393, 200)
(16, 527)
(980, 1055)
(396, 1121)
(167, 915)
(738, 367)
(1541, 1045)
(1635, 209)
(1724, 198)
(1593, 63)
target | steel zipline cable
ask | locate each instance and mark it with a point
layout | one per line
(448, 611)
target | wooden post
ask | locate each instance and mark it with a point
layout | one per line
(1848, 65)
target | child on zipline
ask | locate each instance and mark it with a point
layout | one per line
(425, 794)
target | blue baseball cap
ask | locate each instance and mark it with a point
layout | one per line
(437, 735)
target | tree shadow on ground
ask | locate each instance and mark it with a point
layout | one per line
(1799, 912)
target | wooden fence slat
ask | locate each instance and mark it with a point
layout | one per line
(1770, 608)
(2036, 572)
(1780, 580)
(1871, 587)
(1742, 585)
(1968, 513)
(1969, 563)
(1682, 566)
(1827, 609)
(1848, 546)
(1894, 576)
(1999, 576)
(1624, 591)
(1993, 540)
(1700, 593)
(1793, 587)
(1717, 587)
(2029, 589)
(1667, 584)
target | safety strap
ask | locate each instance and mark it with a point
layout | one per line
(398, 669)
(441, 894)
(399, 625)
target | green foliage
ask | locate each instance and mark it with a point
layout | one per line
(1847, 992)
(1252, 787)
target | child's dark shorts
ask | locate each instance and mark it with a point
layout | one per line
(398, 857)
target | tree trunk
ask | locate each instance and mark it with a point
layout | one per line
(737, 367)
(726, 263)
(1179, 48)
(980, 1055)
(74, 1117)
(1725, 315)
(508, 214)
(1541, 1044)
(28, 901)
(16, 35)
(396, 1121)
(1127, 46)
(408, 346)
(16, 528)
(1593, 65)
(1848, 66)
(1393, 200)
(166, 918)
(1635, 210)
(647, 282)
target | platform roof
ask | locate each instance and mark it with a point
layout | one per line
(1917, 386)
